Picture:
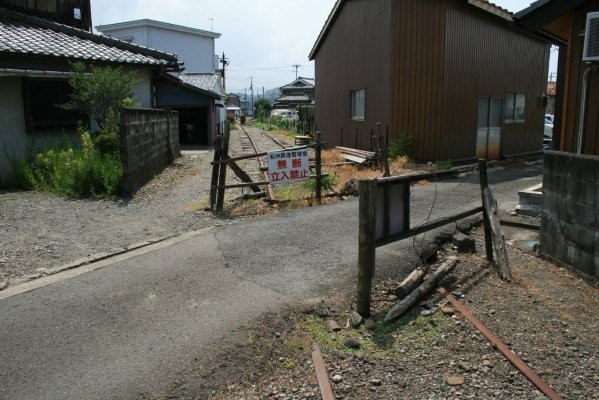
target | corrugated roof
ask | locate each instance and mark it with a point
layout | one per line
(22, 34)
(206, 82)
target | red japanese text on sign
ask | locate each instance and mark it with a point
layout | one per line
(288, 166)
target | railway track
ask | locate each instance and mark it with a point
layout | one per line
(252, 142)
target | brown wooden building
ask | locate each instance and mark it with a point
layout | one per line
(457, 75)
(563, 23)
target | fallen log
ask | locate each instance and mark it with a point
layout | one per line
(410, 282)
(429, 284)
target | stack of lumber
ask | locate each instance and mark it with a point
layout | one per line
(419, 283)
(357, 156)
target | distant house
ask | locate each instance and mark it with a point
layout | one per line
(34, 71)
(456, 75)
(563, 23)
(298, 93)
(195, 96)
(198, 99)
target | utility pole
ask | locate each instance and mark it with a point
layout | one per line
(262, 92)
(224, 61)
(245, 102)
(296, 66)
(252, 91)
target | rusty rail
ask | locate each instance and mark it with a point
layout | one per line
(516, 361)
(324, 382)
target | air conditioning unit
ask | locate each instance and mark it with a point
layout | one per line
(591, 38)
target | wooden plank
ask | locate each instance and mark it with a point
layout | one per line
(427, 227)
(490, 209)
(482, 171)
(243, 175)
(355, 159)
(425, 176)
(240, 185)
(324, 382)
(357, 152)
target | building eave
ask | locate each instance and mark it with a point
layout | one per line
(157, 24)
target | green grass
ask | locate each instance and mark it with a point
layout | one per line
(389, 339)
(73, 172)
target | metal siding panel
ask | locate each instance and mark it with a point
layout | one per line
(488, 58)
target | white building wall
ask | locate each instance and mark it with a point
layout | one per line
(195, 51)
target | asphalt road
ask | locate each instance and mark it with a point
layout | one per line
(130, 327)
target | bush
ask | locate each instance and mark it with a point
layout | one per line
(326, 182)
(84, 172)
(107, 141)
(401, 146)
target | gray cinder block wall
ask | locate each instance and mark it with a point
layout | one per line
(570, 211)
(149, 143)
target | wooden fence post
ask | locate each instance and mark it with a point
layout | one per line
(384, 153)
(223, 169)
(215, 171)
(366, 244)
(318, 162)
(482, 170)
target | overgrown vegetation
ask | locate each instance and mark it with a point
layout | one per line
(101, 93)
(81, 172)
(92, 169)
(401, 147)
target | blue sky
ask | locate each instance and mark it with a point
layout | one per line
(261, 38)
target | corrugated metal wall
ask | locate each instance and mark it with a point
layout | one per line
(484, 57)
(424, 65)
(449, 54)
(418, 65)
(355, 55)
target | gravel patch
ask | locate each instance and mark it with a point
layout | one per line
(547, 316)
(41, 231)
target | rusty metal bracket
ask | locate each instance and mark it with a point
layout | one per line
(528, 372)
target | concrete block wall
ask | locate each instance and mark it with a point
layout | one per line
(149, 143)
(570, 210)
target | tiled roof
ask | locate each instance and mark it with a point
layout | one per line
(204, 81)
(22, 34)
(302, 97)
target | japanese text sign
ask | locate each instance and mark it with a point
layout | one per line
(288, 166)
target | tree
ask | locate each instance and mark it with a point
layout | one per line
(101, 93)
(262, 107)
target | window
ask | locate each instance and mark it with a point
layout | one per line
(515, 107)
(42, 5)
(42, 99)
(358, 101)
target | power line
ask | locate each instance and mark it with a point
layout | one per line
(296, 66)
